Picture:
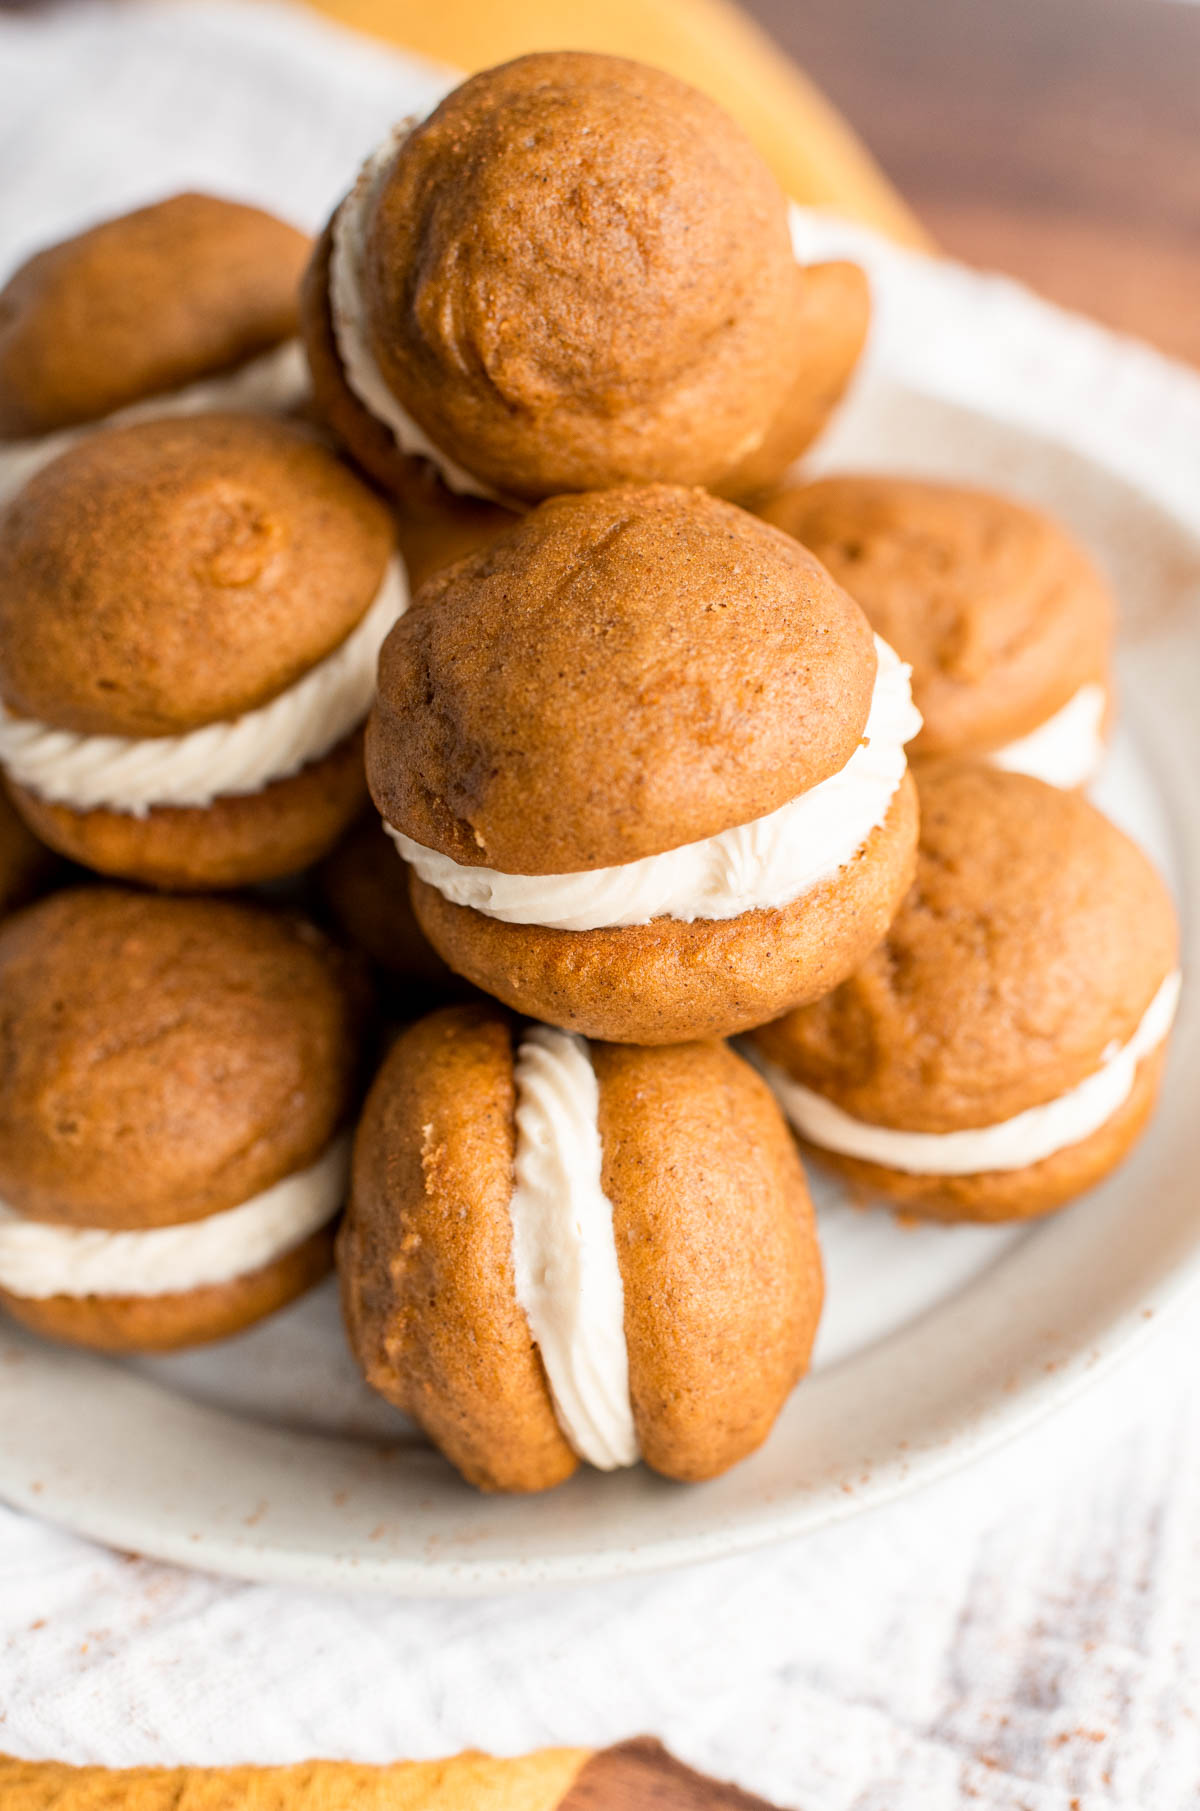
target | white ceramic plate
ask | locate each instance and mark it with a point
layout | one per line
(266, 1457)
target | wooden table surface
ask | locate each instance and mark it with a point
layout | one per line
(1058, 140)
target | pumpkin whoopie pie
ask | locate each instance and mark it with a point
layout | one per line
(576, 272)
(190, 615)
(1004, 619)
(1001, 1050)
(176, 1077)
(556, 1251)
(185, 305)
(647, 763)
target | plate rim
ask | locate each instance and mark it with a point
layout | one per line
(1162, 1292)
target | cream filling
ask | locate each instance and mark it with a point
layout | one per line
(348, 309)
(38, 1260)
(1012, 1144)
(236, 756)
(1067, 749)
(568, 1280)
(758, 866)
(270, 384)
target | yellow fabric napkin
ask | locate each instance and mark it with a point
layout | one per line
(468, 1782)
(709, 43)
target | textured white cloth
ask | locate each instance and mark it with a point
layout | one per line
(1023, 1637)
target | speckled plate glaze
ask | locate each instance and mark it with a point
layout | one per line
(266, 1458)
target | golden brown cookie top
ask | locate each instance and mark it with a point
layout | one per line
(185, 289)
(159, 577)
(1034, 938)
(579, 272)
(164, 1059)
(1000, 613)
(425, 1254)
(620, 673)
(717, 1247)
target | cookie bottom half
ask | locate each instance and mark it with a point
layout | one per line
(233, 842)
(667, 982)
(994, 1196)
(193, 1317)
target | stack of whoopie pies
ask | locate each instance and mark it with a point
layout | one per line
(638, 710)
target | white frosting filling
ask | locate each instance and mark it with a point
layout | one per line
(271, 384)
(348, 310)
(38, 1260)
(753, 867)
(1012, 1144)
(1067, 749)
(235, 756)
(568, 1279)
